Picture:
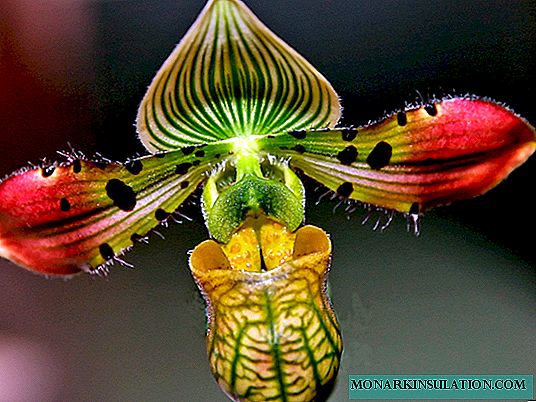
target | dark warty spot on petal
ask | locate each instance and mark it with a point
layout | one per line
(431, 109)
(348, 155)
(47, 171)
(185, 184)
(402, 118)
(380, 156)
(65, 205)
(134, 167)
(136, 238)
(161, 215)
(199, 154)
(349, 134)
(415, 208)
(345, 189)
(77, 166)
(188, 150)
(182, 168)
(106, 251)
(298, 134)
(121, 194)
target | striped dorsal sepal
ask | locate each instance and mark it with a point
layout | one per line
(230, 76)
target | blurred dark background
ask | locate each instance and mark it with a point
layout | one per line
(461, 298)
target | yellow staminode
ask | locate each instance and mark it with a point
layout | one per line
(272, 333)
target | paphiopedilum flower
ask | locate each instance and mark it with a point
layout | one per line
(237, 111)
(272, 333)
(234, 105)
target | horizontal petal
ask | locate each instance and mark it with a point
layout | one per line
(433, 155)
(77, 216)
